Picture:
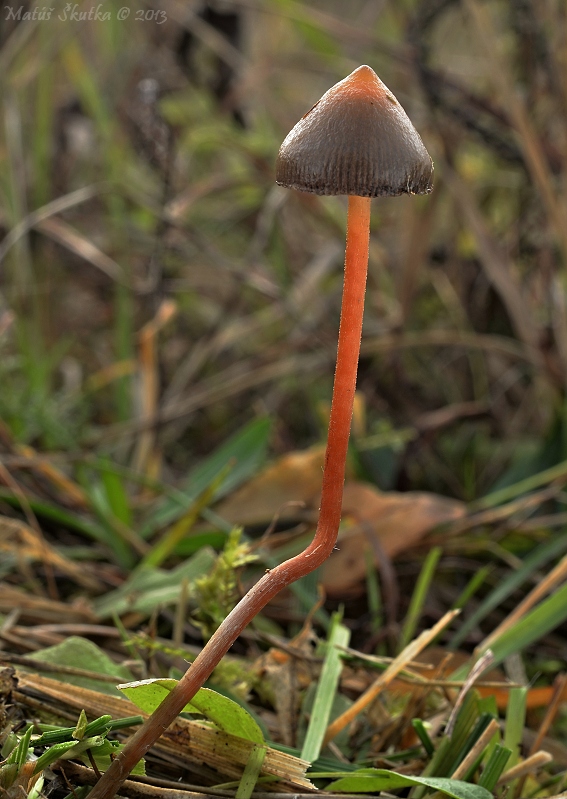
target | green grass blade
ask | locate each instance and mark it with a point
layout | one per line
(251, 772)
(521, 487)
(423, 735)
(515, 721)
(449, 750)
(43, 123)
(63, 517)
(475, 734)
(494, 767)
(177, 532)
(419, 596)
(84, 78)
(374, 780)
(514, 729)
(537, 623)
(20, 754)
(435, 767)
(472, 586)
(373, 593)
(339, 636)
(244, 452)
(120, 537)
(117, 495)
(541, 555)
(147, 589)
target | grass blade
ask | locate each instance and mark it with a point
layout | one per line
(251, 772)
(339, 636)
(515, 719)
(494, 767)
(245, 452)
(419, 596)
(537, 558)
(423, 735)
(536, 624)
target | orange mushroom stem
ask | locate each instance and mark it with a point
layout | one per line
(356, 140)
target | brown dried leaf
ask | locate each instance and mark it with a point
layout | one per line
(284, 675)
(391, 522)
(296, 477)
(379, 522)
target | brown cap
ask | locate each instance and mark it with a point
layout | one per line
(356, 140)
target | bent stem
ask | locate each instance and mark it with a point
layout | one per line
(356, 265)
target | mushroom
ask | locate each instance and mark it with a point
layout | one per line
(357, 140)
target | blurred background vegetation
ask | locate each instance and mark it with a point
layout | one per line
(168, 315)
(158, 290)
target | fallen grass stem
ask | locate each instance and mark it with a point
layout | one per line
(476, 751)
(527, 766)
(402, 660)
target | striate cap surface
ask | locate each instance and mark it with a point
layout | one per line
(356, 140)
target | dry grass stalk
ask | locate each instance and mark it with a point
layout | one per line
(476, 751)
(555, 577)
(527, 136)
(27, 544)
(532, 763)
(190, 740)
(557, 699)
(404, 658)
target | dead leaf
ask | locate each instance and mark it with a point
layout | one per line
(396, 521)
(296, 477)
(377, 522)
(284, 675)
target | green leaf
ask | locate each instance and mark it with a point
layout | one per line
(83, 654)
(226, 714)
(372, 780)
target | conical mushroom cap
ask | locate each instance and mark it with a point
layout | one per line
(356, 140)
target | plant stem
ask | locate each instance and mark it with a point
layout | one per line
(356, 265)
